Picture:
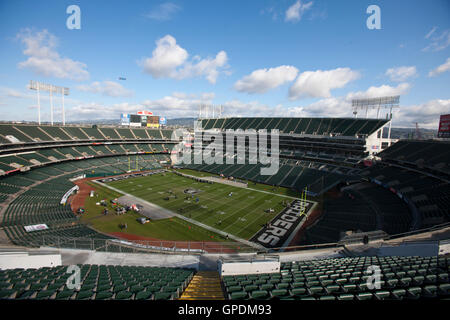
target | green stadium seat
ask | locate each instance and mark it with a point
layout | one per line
(382, 294)
(316, 290)
(414, 293)
(84, 295)
(398, 294)
(234, 289)
(308, 298)
(143, 295)
(45, 294)
(123, 295)
(364, 296)
(250, 288)
(279, 293)
(104, 295)
(31, 294)
(283, 285)
(298, 292)
(260, 294)
(332, 289)
(327, 298)
(239, 295)
(444, 289)
(430, 291)
(64, 295)
(346, 297)
(7, 293)
(119, 288)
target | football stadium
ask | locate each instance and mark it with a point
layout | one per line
(226, 206)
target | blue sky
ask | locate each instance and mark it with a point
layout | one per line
(256, 58)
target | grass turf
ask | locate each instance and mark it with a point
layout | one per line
(242, 214)
(173, 229)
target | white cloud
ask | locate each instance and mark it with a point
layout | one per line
(164, 11)
(440, 69)
(169, 60)
(318, 83)
(437, 42)
(177, 104)
(342, 106)
(44, 60)
(166, 57)
(381, 91)
(329, 107)
(262, 80)
(295, 12)
(106, 88)
(426, 114)
(400, 74)
(207, 67)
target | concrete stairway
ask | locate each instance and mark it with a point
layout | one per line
(205, 285)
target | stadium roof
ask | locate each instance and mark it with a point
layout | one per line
(315, 126)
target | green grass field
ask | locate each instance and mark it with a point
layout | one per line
(242, 214)
(174, 229)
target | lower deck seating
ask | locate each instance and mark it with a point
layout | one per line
(401, 278)
(363, 208)
(40, 202)
(98, 282)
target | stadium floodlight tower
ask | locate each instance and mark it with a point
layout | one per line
(38, 86)
(205, 110)
(377, 103)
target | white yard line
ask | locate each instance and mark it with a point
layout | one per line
(249, 243)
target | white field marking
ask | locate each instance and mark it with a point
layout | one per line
(238, 186)
(294, 232)
(197, 223)
(237, 220)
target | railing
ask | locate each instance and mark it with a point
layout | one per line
(143, 246)
(188, 247)
(415, 232)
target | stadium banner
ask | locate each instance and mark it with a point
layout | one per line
(125, 119)
(146, 113)
(135, 124)
(162, 121)
(35, 227)
(153, 125)
(278, 230)
(444, 126)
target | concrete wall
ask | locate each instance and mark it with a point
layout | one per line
(26, 261)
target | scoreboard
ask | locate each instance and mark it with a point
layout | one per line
(142, 119)
(444, 126)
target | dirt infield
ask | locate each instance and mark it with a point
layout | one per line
(77, 201)
(208, 246)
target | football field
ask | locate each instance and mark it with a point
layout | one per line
(238, 211)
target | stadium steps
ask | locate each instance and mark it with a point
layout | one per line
(205, 285)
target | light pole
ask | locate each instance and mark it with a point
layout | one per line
(38, 86)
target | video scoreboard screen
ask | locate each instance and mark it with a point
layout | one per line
(142, 119)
